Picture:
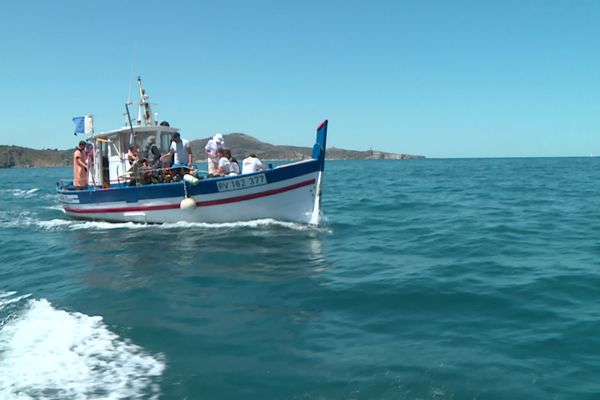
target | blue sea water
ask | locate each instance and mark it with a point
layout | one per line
(429, 279)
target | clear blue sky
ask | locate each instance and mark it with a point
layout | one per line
(438, 78)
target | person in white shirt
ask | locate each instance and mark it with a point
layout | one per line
(210, 149)
(233, 166)
(179, 149)
(223, 164)
(252, 164)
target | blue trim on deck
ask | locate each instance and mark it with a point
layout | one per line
(133, 194)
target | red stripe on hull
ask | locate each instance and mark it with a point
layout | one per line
(198, 203)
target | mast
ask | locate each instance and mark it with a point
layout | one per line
(144, 109)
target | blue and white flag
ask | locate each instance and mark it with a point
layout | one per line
(84, 124)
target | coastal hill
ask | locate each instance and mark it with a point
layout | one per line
(240, 144)
(15, 156)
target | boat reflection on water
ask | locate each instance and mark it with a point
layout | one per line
(258, 251)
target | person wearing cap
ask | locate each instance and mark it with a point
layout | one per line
(210, 149)
(179, 148)
(80, 168)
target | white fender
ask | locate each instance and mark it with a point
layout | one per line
(187, 204)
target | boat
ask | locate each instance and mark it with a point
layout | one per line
(286, 192)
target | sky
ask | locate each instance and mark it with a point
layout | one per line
(506, 78)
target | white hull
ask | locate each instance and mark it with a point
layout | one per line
(296, 204)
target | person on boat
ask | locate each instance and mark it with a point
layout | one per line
(252, 164)
(80, 168)
(210, 149)
(234, 166)
(140, 172)
(223, 164)
(180, 150)
(132, 156)
(152, 153)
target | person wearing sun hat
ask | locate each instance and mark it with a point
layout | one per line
(217, 142)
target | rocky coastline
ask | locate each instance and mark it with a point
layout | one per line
(240, 144)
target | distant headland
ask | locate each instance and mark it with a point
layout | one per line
(240, 144)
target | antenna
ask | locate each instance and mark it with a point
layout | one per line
(144, 109)
(132, 135)
(131, 71)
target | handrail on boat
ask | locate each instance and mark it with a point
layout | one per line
(63, 183)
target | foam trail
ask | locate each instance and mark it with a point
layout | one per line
(74, 225)
(28, 218)
(9, 298)
(48, 353)
(55, 207)
(240, 224)
(25, 193)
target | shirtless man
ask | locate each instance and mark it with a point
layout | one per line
(80, 168)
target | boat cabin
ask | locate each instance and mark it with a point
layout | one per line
(107, 151)
(111, 147)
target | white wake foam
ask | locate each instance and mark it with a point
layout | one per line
(46, 353)
(56, 207)
(8, 298)
(14, 220)
(25, 219)
(258, 223)
(23, 193)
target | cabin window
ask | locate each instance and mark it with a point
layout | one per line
(103, 147)
(165, 141)
(142, 140)
(122, 144)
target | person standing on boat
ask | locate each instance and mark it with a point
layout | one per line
(80, 168)
(252, 164)
(210, 149)
(152, 153)
(179, 149)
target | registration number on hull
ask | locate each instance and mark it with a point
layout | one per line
(69, 199)
(241, 183)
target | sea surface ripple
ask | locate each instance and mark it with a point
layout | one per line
(428, 279)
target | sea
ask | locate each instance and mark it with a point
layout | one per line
(426, 279)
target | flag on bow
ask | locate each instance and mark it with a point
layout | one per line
(84, 124)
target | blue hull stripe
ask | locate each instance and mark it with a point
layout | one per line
(134, 194)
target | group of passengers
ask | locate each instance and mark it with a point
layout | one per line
(141, 166)
(222, 163)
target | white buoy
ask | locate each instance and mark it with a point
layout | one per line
(192, 180)
(187, 204)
